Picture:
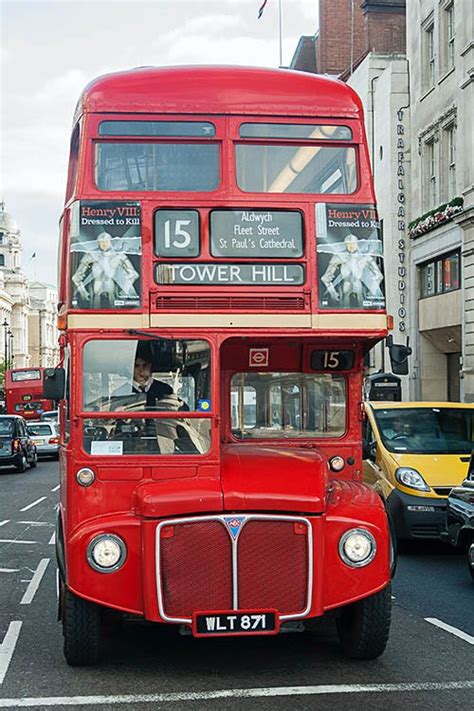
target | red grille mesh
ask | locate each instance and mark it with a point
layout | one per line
(272, 564)
(216, 303)
(196, 568)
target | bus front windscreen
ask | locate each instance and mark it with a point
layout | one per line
(149, 376)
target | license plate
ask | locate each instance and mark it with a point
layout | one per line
(249, 622)
(38, 441)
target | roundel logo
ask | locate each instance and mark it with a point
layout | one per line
(258, 357)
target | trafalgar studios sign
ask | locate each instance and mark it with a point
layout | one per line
(402, 270)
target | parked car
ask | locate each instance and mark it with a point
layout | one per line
(50, 415)
(414, 454)
(16, 447)
(45, 436)
(460, 517)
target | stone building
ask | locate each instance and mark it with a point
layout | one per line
(19, 302)
(440, 49)
(43, 336)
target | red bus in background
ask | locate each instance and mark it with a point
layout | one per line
(221, 280)
(24, 393)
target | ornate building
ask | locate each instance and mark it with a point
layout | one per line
(22, 305)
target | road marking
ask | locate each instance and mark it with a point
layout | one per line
(14, 540)
(10, 570)
(448, 628)
(30, 506)
(2, 523)
(55, 488)
(37, 523)
(61, 701)
(52, 540)
(34, 582)
(7, 647)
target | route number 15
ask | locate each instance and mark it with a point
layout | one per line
(177, 233)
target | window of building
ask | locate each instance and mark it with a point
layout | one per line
(2, 260)
(448, 30)
(440, 275)
(429, 174)
(2, 234)
(451, 159)
(428, 54)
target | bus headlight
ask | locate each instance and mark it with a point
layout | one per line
(411, 478)
(357, 547)
(106, 553)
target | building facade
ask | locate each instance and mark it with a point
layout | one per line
(24, 341)
(440, 50)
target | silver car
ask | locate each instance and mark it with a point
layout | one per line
(46, 437)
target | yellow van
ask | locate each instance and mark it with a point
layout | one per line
(414, 453)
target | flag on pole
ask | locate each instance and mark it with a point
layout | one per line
(261, 9)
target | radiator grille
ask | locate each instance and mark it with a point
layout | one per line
(272, 566)
(194, 571)
(230, 303)
(208, 564)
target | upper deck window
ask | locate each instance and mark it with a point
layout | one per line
(157, 128)
(291, 131)
(143, 167)
(296, 168)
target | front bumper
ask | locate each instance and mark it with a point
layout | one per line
(12, 460)
(417, 517)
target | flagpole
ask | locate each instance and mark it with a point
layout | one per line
(280, 28)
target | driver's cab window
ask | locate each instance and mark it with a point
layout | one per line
(151, 376)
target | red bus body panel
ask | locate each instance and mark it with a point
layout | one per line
(175, 513)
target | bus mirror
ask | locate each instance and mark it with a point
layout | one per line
(53, 383)
(398, 356)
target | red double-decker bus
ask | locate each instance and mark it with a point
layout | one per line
(221, 280)
(24, 393)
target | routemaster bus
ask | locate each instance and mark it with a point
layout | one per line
(221, 279)
(24, 393)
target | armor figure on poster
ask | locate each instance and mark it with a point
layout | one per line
(105, 262)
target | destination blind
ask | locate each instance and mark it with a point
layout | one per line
(230, 274)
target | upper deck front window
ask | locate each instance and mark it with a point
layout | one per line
(160, 167)
(305, 166)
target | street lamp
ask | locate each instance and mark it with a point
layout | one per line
(10, 349)
(5, 343)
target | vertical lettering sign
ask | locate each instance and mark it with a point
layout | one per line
(401, 225)
(106, 252)
(350, 257)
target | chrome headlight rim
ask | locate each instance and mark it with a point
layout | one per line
(423, 486)
(121, 560)
(342, 553)
(85, 471)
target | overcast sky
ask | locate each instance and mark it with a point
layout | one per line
(51, 49)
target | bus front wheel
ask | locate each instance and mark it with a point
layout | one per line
(363, 627)
(81, 629)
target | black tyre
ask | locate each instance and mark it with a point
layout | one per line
(363, 627)
(81, 630)
(21, 466)
(34, 461)
(470, 560)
